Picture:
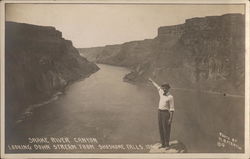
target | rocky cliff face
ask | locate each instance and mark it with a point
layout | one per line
(129, 54)
(204, 53)
(38, 63)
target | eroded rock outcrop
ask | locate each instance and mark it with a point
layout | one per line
(203, 53)
(38, 63)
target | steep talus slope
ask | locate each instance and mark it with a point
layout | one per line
(38, 63)
(203, 53)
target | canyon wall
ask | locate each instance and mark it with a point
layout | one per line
(38, 63)
(206, 53)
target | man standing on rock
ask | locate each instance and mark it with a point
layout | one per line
(165, 113)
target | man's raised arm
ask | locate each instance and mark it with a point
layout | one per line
(155, 84)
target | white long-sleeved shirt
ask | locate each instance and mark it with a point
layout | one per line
(166, 101)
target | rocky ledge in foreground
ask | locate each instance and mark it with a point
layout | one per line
(38, 63)
(175, 147)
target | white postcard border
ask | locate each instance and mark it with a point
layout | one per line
(127, 155)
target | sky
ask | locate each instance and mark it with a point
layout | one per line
(91, 25)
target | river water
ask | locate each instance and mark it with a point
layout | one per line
(114, 112)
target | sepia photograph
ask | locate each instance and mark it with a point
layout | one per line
(124, 78)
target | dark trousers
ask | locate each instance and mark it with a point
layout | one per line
(164, 127)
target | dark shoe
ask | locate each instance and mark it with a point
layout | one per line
(162, 146)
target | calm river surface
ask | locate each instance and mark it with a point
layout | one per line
(116, 112)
